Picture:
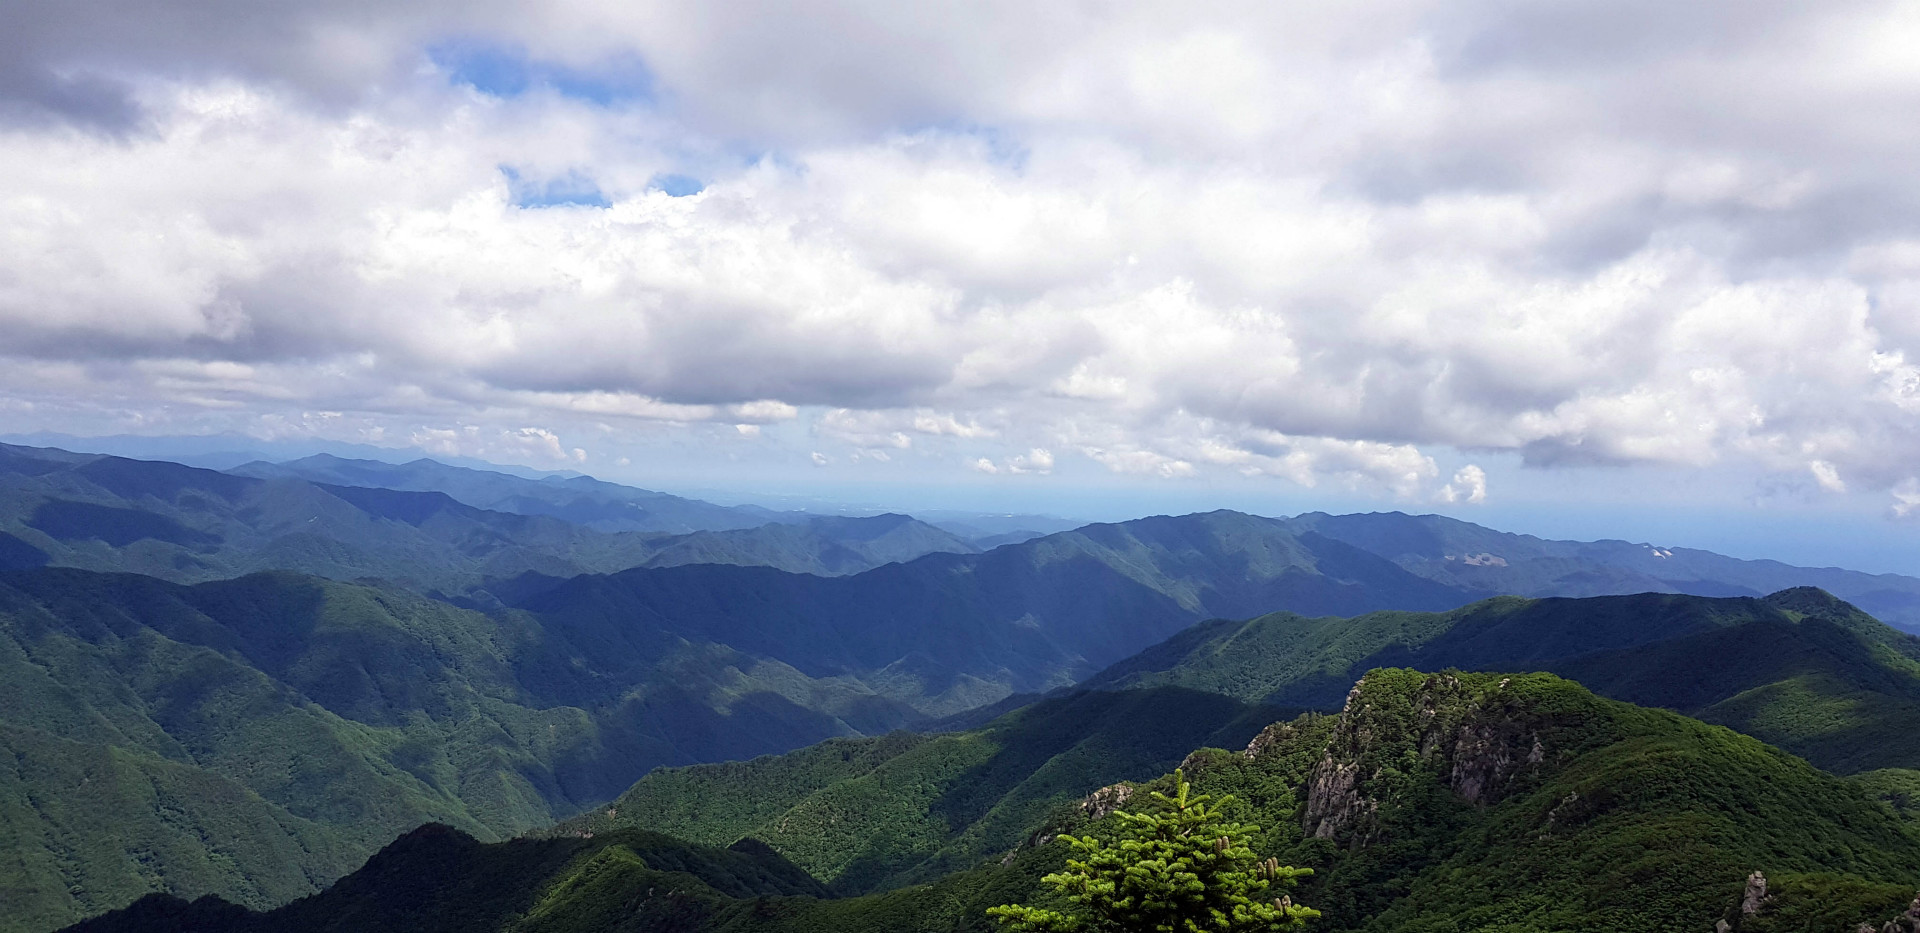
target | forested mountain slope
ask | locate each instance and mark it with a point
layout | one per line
(948, 632)
(1431, 802)
(307, 722)
(868, 814)
(1799, 669)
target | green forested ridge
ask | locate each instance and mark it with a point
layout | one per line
(365, 711)
(1798, 669)
(84, 827)
(438, 879)
(349, 713)
(1899, 787)
(1433, 802)
(458, 531)
(353, 712)
(863, 814)
(949, 632)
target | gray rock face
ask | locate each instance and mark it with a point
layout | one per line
(1332, 803)
(1755, 896)
(1101, 803)
(1481, 762)
(1474, 741)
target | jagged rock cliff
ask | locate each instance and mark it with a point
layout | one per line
(1477, 741)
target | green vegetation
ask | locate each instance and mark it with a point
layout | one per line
(314, 721)
(1177, 867)
(88, 827)
(1433, 802)
(260, 734)
(866, 814)
(1798, 669)
(1899, 787)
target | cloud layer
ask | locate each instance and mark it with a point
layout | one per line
(1311, 241)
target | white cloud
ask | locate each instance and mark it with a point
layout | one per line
(1827, 476)
(1469, 485)
(1315, 243)
(1906, 498)
(1036, 461)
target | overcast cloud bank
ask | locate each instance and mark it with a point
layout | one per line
(1366, 243)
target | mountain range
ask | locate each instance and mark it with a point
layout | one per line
(189, 525)
(273, 672)
(582, 500)
(462, 533)
(1799, 669)
(1429, 802)
(305, 721)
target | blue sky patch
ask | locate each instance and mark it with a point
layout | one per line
(507, 71)
(678, 186)
(573, 189)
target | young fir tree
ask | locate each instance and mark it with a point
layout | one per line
(1179, 870)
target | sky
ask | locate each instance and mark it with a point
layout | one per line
(1628, 269)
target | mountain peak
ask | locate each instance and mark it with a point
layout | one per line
(1808, 600)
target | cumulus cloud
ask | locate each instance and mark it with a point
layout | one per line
(1469, 485)
(1036, 461)
(1319, 243)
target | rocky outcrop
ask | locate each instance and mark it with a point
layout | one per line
(1269, 737)
(1474, 742)
(1753, 900)
(1755, 897)
(1481, 762)
(1334, 802)
(1101, 803)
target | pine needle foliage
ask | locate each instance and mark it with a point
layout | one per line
(1178, 869)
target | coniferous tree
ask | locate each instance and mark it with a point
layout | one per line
(1181, 869)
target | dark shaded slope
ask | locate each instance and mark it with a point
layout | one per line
(438, 880)
(964, 630)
